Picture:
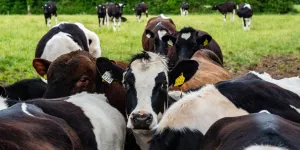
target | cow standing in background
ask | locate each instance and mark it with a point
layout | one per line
(101, 11)
(226, 8)
(50, 9)
(139, 9)
(245, 12)
(115, 10)
(184, 9)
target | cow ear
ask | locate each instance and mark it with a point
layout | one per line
(41, 66)
(203, 39)
(149, 34)
(182, 72)
(108, 70)
(117, 5)
(170, 40)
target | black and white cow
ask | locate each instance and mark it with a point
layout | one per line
(139, 9)
(245, 12)
(67, 37)
(50, 9)
(115, 11)
(98, 125)
(184, 9)
(24, 89)
(212, 102)
(226, 8)
(259, 131)
(146, 81)
(101, 11)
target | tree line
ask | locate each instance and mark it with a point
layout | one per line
(155, 6)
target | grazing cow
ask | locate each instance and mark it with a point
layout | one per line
(25, 126)
(115, 10)
(155, 29)
(146, 81)
(139, 9)
(260, 131)
(209, 71)
(24, 89)
(65, 38)
(226, 8)
(97, 124)
(245, 12)
(101, 11)
(50, 9)
(213, 102)
(188, 41)
(184, 9)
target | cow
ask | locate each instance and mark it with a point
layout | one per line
(24, 89)
(259, 131)
(210, 103)
(139, 9)
(210, 71)
(115, 11)
(245, 12)
(97, 124)
(49, 10)
(184, 9)
(155, 29)
(26, 126)
(101, 11)
(226, 8)
(189, 40)
(66, 37)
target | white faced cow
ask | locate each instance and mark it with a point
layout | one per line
(245, 12)
(184, 9)
(115, 10)
(67, 37)
(226, 8)
(50, 9)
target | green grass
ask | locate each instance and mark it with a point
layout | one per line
(297, 7)
(269, 35)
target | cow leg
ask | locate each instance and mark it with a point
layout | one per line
(99, 21)
(119, 23)
(248, 23)
(224, 17)
(244, 24)
(146, 14)
(140, 18)
(187, 12)
(115, 24)
(181, 13)
(107, 19)
(233, 13)
(48, 22)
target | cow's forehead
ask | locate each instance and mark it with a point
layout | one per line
(121, 4)
(186, 35)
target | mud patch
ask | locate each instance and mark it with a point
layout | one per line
(277, 66)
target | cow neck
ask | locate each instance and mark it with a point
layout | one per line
(143, 138)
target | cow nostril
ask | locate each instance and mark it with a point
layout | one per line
(149, 119)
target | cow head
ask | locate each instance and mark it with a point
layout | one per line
(146, 82)
(101, 9)
(214, 7)
(120, 7)
(47, 9)
(189, 41)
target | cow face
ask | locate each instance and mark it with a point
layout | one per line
(146, 82)
(120, 7)
(189, 41)
(47, 9)
(68, 74)
(214, 7)
(160, 46)
(101, 9)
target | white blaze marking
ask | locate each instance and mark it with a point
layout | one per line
(148, 36)
(164, 17)
(3, 104)
(186, 35)
(247, 6)
(24, 109)
(264, 111)
(264, 147)
(161, 33)
(170, 43)
(298, 110)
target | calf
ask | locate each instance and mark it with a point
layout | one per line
(245, 12)
(226, 8)
(115, 10)
(24, 89)
(25, 126)
(213, 102)
(252, 132)
(101, 11)
(50, 9)
(184, 9)
(65, 38)
(139, 9)
(155, 29)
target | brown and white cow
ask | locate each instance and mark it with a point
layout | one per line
(155, 29)
(225, 8)
(26, 126)
(259, 131)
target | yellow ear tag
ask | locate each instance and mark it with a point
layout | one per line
(205, 42)
(45, 77)
(180, 80)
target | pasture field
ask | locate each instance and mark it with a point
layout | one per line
(270, 36)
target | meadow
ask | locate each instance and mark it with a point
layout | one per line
(270, 35)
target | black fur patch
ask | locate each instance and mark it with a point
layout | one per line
(143, 55)
(187, 29)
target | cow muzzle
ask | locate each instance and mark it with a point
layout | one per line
(141, 120)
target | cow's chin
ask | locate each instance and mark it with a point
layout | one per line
(143, 132)
(151, 127)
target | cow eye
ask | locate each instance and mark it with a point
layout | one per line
(84, 80)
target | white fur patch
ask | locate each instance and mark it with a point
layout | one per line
(148, 36)
(186, 36)
(297, 109)
(170, 43)
(108, 123)
(24, 109)
(247, 6)
(264, 111)
(264, 147)
(161, 33)
(44, 80)
(3, 104)
(164, 17)
(176, 95)
(199, 110)
(120, 4)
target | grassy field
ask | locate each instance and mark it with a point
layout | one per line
(269, 35)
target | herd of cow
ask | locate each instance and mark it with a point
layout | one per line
(174, 95)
